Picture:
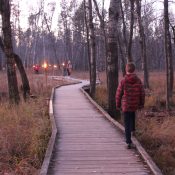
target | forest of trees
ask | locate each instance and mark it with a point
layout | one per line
(95, 38)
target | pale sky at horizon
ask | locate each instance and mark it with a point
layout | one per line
(32, 5)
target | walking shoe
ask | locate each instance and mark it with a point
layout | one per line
(131, 146)
(133, 133)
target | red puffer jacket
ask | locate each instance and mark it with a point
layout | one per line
(130, 94)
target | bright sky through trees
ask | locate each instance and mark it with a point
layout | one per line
(32, 6)
(28, 7)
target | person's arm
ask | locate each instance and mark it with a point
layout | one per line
(119, 94)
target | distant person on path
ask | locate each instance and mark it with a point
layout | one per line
(64, 68)
(69, 68)
(36, 68)
(130, 96)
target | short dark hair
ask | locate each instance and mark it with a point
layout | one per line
(130, 67)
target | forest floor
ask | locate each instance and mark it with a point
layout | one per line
(25, 129)
(155, 125)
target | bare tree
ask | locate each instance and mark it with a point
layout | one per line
(112, 60)
(173, 29)
(102, 26)
(143, 44)
(25, 82)
(8, 49)
(124, 53)
(168, 53)
(49, 25)
(131, 31)
(92, 51)
(87, 37)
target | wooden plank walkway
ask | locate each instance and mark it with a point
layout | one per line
(88, 143)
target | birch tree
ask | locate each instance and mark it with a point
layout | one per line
(112, 60)
(87, 37)
(168, 56)
(131, 31)
(92, 45)
(102, 27)
(142, 43)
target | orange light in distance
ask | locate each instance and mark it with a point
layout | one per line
(45, 65)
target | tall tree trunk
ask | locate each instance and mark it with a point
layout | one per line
(112, 60)
(124, 31)
(131, 31)
(122, 56)
(143, 44)
(87, 38)
(8, 48)
(102, 28)
(173, 29)
(53, 43)
(25, 82)
(168, 53)
(92, 51)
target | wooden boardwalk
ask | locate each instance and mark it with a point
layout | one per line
(87, 143)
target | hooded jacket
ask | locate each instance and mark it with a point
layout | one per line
(130, 94)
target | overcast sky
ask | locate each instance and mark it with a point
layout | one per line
(28, 6)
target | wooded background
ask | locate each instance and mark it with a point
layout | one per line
(92, 38)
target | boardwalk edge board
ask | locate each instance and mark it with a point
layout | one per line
(48, 154)
(154, 168)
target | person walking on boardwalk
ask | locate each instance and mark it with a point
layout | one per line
(69, 68)
(130, 96)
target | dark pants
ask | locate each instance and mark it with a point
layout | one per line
(129, 120)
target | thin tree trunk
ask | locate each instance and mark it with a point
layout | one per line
(53, 44)
(25, 81)
(8, 49)
(122, 56)
(102, 27)
(173, 29)
(168, 53)
(124, 30)
(87, 38)
(143, 44)
(92, 51)
(112, 60)
(131, 31)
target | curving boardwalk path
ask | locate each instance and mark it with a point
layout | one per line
(87, 143)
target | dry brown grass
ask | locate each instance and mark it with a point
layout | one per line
(25, 129)
(80, 75)
(155, 126)
(101, 96)
(158, 137)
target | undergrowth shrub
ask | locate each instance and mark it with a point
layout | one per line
(158, 137)
(101, 96)
(25, 129)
